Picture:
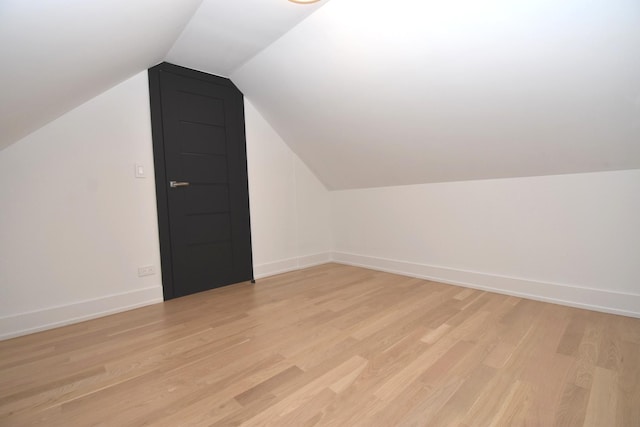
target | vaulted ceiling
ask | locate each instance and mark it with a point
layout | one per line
(367, 92)
(59, 54)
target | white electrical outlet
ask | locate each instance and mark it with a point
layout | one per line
(146, 270)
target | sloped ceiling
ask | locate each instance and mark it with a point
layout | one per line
(224, 34)
(376, 93)
(59, 54)
(367, 92)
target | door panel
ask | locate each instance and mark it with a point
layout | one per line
(198, 168)
(207, 239)
(208, 228)
(205, 139)
(208, 199)
(199, 108)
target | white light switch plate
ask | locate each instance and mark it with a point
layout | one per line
(140, 171)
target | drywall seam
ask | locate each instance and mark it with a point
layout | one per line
(53, 317)
(625, 304)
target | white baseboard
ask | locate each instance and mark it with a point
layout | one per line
(283, 266)
(625, 304)
(53, 317)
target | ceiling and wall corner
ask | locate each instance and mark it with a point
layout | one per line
(223, 34)
(367, 93)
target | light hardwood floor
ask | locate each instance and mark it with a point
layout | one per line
(330, 345)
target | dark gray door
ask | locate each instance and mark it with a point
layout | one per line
(204, 180)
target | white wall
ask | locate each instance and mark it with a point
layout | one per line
(75, 223)
(567, 238)
(290, 214)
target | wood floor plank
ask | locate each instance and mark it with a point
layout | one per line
(572, 407)
(629, 383)
(603, 399)
(331, 345)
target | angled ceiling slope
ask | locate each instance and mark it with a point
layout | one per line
(224, 34)
(59, 54)
(376, 92)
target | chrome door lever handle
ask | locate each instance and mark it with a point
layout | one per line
(174, 184)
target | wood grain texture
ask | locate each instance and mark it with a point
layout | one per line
(330, 345)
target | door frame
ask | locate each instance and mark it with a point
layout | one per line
(162, 200)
